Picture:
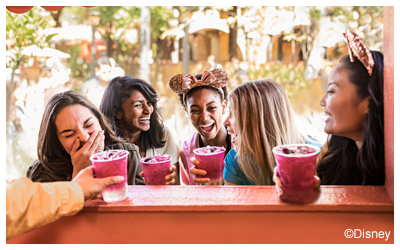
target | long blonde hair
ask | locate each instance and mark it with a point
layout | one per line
(264, 119)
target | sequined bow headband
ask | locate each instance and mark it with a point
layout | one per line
(217, 78)
(356, 46)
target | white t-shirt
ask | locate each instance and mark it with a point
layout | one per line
(170, 148)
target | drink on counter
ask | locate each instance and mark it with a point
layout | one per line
(112, 163)
(155, 168)
(211, 160)
(296, 168)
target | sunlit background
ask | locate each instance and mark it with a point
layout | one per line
(52, 51)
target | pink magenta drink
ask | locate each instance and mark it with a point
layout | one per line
(155, 168)
(296, 168)
(112, 163)
(211, 160)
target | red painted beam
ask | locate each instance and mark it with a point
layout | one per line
(212, 214)
(388, 49)
(240, 198)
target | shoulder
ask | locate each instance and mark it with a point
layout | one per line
(168, 137)
(191, 143)
(232, 171)
(232, 153)
(38, 173)
(167, 134)
(125, 146)
(231, 157)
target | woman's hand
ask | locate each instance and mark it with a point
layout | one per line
(198, 172)
(170, 178)
(80, 156)
(278, 182)
(92, 187)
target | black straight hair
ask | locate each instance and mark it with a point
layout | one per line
(343, 163)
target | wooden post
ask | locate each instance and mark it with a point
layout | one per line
(388, 94)
(145, 43)
(186, 50)
(233, 35)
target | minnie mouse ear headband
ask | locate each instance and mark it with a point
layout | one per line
(181, 83)
(357, 47)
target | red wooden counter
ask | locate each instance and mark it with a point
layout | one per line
(226, 214)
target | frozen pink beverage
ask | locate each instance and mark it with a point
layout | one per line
(211, 160)
(296, 168)
(155, 168)
(112, 163)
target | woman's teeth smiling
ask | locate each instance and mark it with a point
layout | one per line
(328, 116)
(145, 120)
(207, 128)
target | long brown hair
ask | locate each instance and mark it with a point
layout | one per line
(264, 119)
(49, 148)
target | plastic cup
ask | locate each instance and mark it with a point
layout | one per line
(112, 166)
(296, 172)
(155, 172)
(212, 163)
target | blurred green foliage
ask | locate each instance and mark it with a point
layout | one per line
(22, 32)
(17, 157)
(80, 69)
(315, 13)
(159, 20)
(346, 12)
(290, 77)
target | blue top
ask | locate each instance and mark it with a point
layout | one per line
(313, 142)
(233, 172)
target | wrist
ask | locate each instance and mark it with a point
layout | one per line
(74, 173)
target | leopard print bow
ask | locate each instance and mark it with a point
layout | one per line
(356, 46)
(216, 78)
(181, 83)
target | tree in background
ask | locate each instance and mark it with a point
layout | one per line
(22, 31)
(120, 29)
(367, 21)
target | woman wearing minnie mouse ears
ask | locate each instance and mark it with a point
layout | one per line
(354, 106)
(354, 152)
(204, 98)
